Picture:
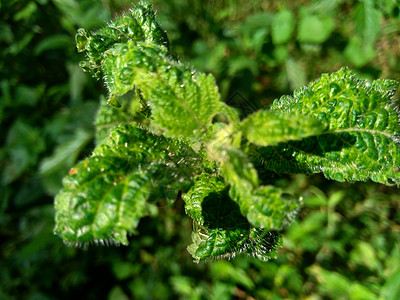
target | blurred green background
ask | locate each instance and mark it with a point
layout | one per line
(345, 243)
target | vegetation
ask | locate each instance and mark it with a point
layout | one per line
(344, 242)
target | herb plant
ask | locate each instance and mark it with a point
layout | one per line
(164, 133)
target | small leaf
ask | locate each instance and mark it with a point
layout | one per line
(139, 25)
(361, 47)
(58, 41)
(314, 28)
(367, 21)
(266, 128)
(282, 26)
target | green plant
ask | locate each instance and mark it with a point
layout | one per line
(166, 134)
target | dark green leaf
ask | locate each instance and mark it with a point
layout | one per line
(105, 196)
(220, 230)
(362, 140)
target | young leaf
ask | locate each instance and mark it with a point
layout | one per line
(105, 196)
(139, 25)
(362, 140)
(266, 128)
(220, 230)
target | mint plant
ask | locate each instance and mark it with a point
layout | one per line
(165, 133)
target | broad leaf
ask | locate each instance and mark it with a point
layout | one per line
(266, 128)
(101, 202)
(362, 139)
(105, 195)
(220, 231)
(131, 53)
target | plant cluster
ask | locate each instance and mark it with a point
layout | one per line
(173, 137)
(343, 243)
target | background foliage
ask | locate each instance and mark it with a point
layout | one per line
(345, 243)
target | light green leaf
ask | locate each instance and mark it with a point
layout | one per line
(267, 128)
(296, 74)
(364, 254)
(282, 26)
(367, 21)
(391, 288)
(220, 230)
(53, 168)
(361, 47)
(205, 186)
(314, 28)
(362, 140)
(101, 201)
(131, 53)
(359, 54)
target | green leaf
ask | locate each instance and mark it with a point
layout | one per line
(139, 25)
(182, 102)
(267, 128)
(23, 146)
(282, 26)
(105, 196)
(361, 142)
(367, 21)
(220, 230)
(108, 116)
(359, 54)
(58, 41)
(314, 28)
(264, 206)
(361, 47)
(100, 203)
(296, 74)
(391, 288)
(53, 168)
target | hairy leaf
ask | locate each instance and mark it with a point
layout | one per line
(131, 53)
(105, 195)
(362, 139)
(264, 206)
(266, 128)
(220, 230)
(139, 25)
(182, 102)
